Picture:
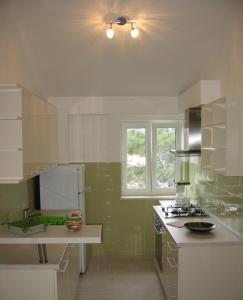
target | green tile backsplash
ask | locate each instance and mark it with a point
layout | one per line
(221, 195)
(127, 224)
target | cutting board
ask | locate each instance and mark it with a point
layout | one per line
(178, 224)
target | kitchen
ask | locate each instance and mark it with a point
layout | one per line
(101, 86)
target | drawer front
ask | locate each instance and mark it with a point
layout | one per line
(11, 165)
(172, 269)
(10, 134)
(10, 103)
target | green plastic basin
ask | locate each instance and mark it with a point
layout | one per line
(28, 226)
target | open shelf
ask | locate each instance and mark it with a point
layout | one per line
(219, 160)
(206, 137)
(219, 111)
(222, 142)
(207, 158)
(219, 137)
(207, 115)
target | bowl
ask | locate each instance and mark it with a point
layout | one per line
(74, 224)
(200, 226)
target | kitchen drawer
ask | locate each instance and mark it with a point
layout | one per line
(10, 134)
(172, 251)
(172, 293)
(11, 165)
(10, 101)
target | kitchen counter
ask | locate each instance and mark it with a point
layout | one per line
(220, 236)
(55, 234)
(22, 277)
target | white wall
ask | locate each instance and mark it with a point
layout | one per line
(89, 127)
(228, 65)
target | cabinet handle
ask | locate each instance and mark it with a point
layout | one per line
(170, 289)
(158, 232)
(171, 262)
(171, 247)
(63, 270)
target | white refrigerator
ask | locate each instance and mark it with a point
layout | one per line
(64, 188)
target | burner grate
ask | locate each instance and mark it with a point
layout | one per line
(190, 210)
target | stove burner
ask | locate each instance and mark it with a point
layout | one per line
(190, 210)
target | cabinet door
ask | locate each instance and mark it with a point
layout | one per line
(10, 134)
(27, 284)
(172, 268)
(68, 275)
(62, 278)
(28, 134)
(11, 165)
(74, 269)
(10, 102)
(170, 262)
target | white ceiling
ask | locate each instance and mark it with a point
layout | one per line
(59, 47)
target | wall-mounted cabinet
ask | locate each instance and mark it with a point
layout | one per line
(203, 92)
(222, 139)
(28, 134)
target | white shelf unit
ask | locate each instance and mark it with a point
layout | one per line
(28, 134)
(219, 111)
(207, 115)
(206, 158)
(219, 136)
(207, 137)
(222, 139)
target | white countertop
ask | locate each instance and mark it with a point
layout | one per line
(183, 237)
(25, 257)
(55, 234)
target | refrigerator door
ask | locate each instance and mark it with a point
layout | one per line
(64, 188)
(59, 188)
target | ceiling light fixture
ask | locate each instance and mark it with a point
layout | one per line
(121, 21)
(110, 32)
(134, 32)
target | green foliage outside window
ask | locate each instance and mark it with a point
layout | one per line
(164, 159)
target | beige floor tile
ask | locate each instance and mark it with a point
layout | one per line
(120, 278)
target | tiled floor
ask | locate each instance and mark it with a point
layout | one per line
(120, 278)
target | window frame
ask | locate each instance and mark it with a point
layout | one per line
(151, 141)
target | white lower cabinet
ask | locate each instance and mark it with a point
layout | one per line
(68, 275)
(201, 272)
(36, 283)
(169, 274)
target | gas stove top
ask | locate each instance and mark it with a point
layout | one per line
(187, 210)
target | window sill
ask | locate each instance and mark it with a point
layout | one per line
(152, 197)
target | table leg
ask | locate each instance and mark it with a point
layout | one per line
(42, 253)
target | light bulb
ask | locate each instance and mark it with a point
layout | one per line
(134, 33)
(110, 33)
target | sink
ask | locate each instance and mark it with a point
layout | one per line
(27, 226)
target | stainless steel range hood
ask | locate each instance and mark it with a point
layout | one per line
(192, 133)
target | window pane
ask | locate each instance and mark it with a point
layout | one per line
(136, 158)
(165, 160)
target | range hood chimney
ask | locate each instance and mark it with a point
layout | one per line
(192, 133)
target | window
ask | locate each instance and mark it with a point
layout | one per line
(148, 165)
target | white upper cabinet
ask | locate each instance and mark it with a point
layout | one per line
(200, 93)
(222, 142)
(28, 134)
